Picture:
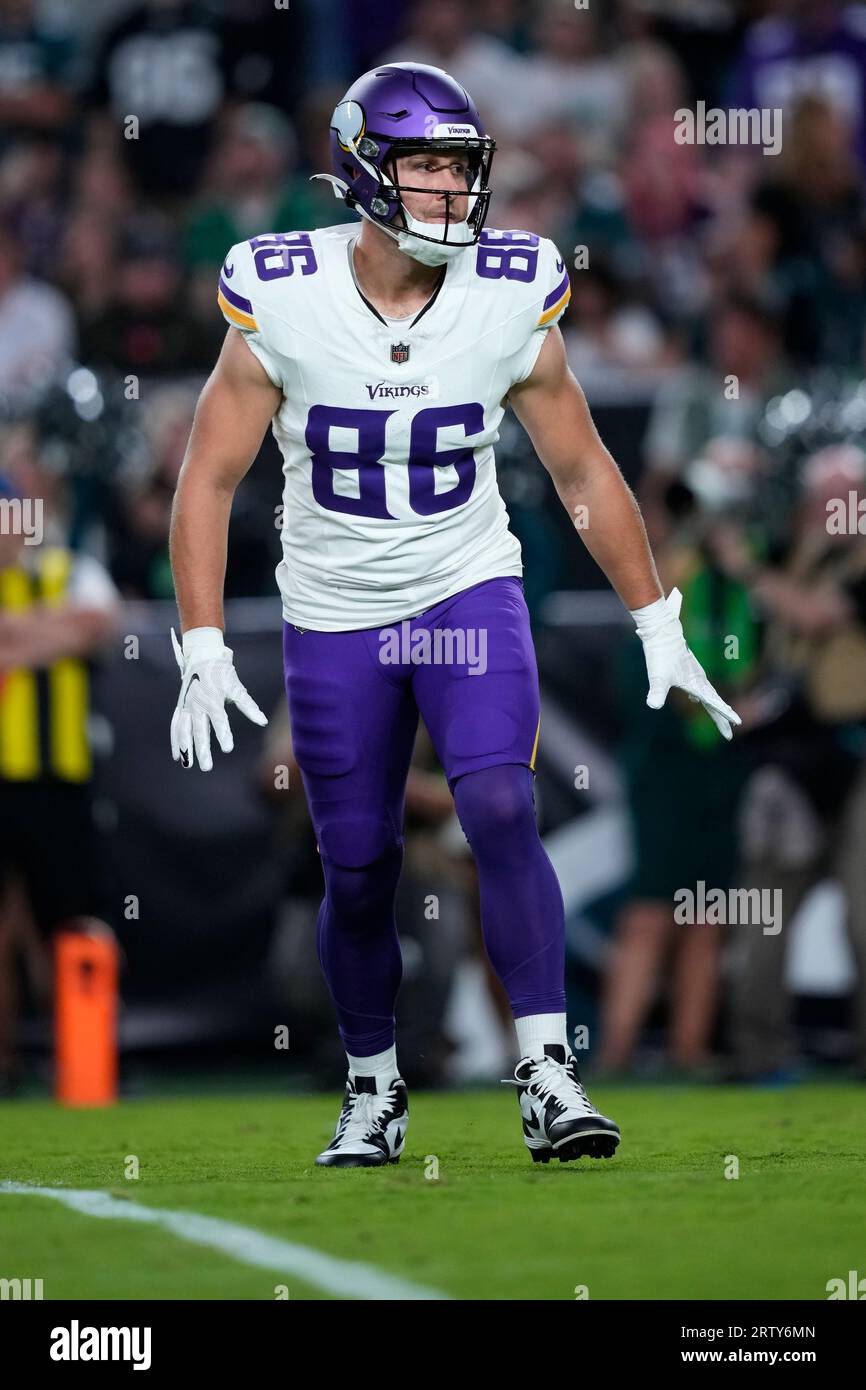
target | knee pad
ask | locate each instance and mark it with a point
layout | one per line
(357, 842)
(496, 803)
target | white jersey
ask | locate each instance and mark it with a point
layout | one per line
(390, 502)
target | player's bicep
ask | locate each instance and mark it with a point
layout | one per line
(549, 367)
(552, 408)
(234, 410)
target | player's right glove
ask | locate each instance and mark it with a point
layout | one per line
(208, 683)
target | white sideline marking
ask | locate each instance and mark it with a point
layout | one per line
(345, 1277)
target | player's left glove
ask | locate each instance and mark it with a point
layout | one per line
(208, 683)
(670, 663)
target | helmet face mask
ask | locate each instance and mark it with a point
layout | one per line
(408, 109)
(478, 156)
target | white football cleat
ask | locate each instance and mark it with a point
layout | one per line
(559, 1120)
(372, 1126)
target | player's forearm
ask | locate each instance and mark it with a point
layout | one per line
(608, 520)
(198, 543)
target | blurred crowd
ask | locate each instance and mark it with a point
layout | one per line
(139, 141)
(723, 287)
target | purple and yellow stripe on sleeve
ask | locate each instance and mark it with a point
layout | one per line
(555, 301)
(237, 310)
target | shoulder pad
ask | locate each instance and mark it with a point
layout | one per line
(251, 268)
(530, 268)
(234, 293)
(538, 299)
(553, 283)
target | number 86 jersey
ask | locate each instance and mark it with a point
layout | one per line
(386, 428)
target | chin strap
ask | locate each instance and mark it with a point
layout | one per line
(412, 245)
(340, 188)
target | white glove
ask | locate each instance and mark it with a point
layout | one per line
(208, 683)
(670, 663)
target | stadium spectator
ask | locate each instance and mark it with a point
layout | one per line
(33, 199)
(442, 35)
(807, 46)
(524, 196)
(570, 78)
(270, 49)
(141, 509)
(725, 398)
(146, 328)
(804, 812)
(37, 330)
(100, 205)
(506, 20)
(608, 332)
(810, 218)
(86, 264)
(702, 39)
(58, 610)
(670, 754)
(138, 509)
(159, 84)
(36, 69)
(663, 180)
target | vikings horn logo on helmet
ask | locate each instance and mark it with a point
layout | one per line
(348, 123)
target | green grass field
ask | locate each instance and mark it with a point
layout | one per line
(658, 1221)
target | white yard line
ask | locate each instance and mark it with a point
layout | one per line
(345, 1278)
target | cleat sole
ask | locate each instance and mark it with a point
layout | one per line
(588, 1146)
(356, 1161)
(598, 1145)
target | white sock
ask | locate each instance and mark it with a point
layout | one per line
(535, 1030)
(382, 1064)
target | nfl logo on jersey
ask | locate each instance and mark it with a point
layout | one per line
(399, 352)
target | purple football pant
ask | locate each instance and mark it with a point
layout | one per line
(354, 699)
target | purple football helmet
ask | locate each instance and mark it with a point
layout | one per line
(402, 108)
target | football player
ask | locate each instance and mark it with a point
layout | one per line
(384, 355)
